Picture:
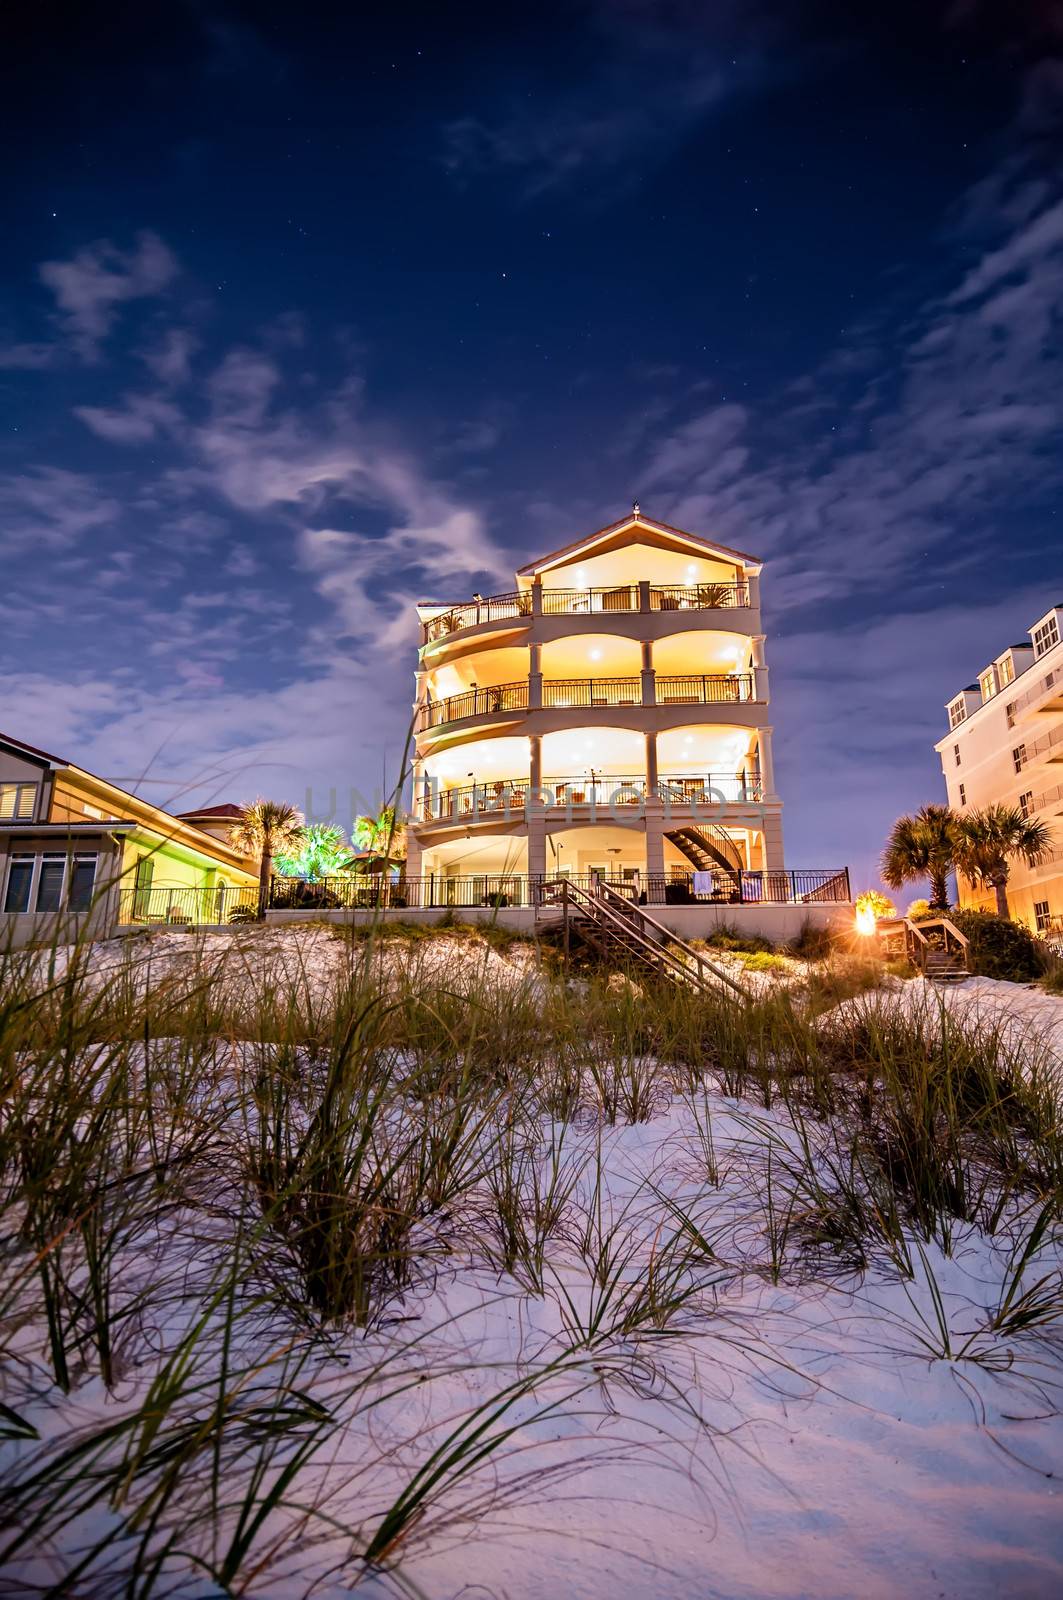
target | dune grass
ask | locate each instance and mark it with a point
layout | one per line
(224, 1190)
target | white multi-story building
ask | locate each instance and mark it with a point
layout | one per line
(1005, 745)
(608, 717)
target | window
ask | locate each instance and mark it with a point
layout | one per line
(82, 882)
(956, 754)
(1018, 756)
(1042, 915)
(957, 713)
(1009, 711)
(19, 879)
(1026, 802)
(50, 883)
(1005, 671)
(1045, 636)
(17, 801)
(988, 684)
(963, 794)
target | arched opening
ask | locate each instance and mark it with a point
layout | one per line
(701, 651)
(710, 755)
(591, 655)
(481, 670)
(593, 760)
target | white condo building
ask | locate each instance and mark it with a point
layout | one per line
(1005, 745)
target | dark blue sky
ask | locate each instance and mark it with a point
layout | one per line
(311, 311)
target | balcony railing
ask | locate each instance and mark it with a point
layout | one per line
(506, 796)
(698, 596)
(476, 703)
(561, 692)
(493, 608)
(584, 602)
(704, 688)
(585, 693)
(368, 892)
(580, 602)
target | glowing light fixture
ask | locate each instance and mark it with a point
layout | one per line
(865, 921)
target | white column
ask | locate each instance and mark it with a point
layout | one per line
(652, 776)
(767, 764)
(649, 679)
(535, 677)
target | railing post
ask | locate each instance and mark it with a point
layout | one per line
(644, 594)
(537, 597)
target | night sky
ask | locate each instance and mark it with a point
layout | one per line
(310, 312)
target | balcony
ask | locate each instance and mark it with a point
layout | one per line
(475, 703)
(589, 693)
(506, 797)
(628, 597)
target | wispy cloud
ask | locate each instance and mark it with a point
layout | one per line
(916, 459)
(51, 508)
(93, 284)
(659, 71)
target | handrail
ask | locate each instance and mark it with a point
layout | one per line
(630, 922)
(455, 616)
(604, 889)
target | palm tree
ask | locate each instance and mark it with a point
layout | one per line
(320, 851)
(990, 837)
(923, 846)
(383, 836)
(266, 828)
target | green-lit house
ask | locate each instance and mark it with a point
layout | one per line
(81, 852)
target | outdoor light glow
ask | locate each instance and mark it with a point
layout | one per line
(596, 655)
(865, 920)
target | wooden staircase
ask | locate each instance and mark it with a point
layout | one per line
(710, 849)
(621, 930)
(942, 957)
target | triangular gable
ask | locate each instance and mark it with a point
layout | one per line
(30, 752)
(636, 529)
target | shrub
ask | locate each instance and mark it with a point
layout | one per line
(812, 942)
(1000, 948)
(763, 961)
(727, 937)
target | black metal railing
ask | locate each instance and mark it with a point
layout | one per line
(581, 602)
(489, 608)
(697, 596)
(703, 688)
(725, 688)
(181, 906)
(585, 602)
(563, 692)
(507, 795)
(475, 703)
(367, 892)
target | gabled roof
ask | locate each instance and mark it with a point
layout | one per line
(31, 750)
(228, 812)
(627, 531)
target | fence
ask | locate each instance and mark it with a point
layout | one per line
(583, 602)
(180, 906)
(371, 892)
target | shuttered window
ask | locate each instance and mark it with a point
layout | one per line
(17, 801)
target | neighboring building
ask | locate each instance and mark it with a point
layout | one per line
(607, 717)
(77, 850)
(1005, 744)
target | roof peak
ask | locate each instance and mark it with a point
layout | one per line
(636, 518)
